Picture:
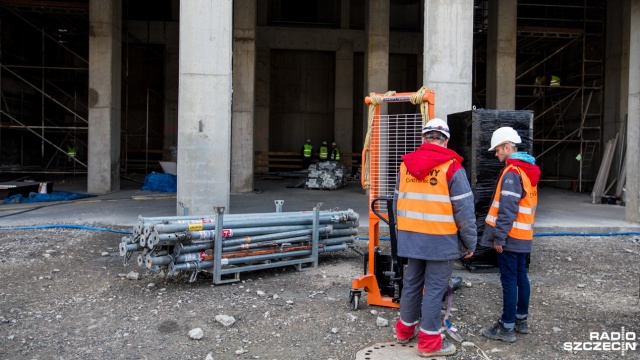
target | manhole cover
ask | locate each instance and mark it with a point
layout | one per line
(392, 351)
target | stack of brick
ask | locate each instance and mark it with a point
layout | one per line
(328, 175)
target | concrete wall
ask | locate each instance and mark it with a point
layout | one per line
(301, 99)
(632, 211)
(448, 54)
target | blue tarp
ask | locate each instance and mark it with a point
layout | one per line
(53, 196)
(160, 182)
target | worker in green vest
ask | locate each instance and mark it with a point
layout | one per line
(324, 152)
(71, 150)
(335, 152)
(307, 153)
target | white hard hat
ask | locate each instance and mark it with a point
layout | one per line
(333, 144)
(309, 140)
(324, 143)
(503, 135)
(436, 125)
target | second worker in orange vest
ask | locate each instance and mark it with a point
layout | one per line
(509, 230)
(434, 203)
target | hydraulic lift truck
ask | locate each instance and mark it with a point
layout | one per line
(388, 138)
(383, 279)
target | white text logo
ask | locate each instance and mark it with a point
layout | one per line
(622, 341)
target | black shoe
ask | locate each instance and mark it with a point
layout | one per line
(499, 332)
(521, 326)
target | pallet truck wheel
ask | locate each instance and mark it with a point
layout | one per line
(355, 301)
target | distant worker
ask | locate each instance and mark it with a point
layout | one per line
(307, 153)
(538, 90)
(71, 150)
(509, 230)
(335, 152)
(436, 226)
(324, 152)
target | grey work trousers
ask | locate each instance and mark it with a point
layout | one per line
(433, 277)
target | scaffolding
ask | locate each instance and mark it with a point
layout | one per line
(43, 88)
(44, 82)
(560, 51)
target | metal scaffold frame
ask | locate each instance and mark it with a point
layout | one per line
(45, 94)
(62, 117)
(568, 117)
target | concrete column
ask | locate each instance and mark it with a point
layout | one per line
(345, 13)
(501, 55)
(632, 211)
(171, 66)
(616, 81)
(105, 58)
(204, 113)
(244, 65)
(448, 54)
(378, 47)
(263, 79)
(343, 112)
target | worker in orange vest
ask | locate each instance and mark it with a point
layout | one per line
(509, 230)
(435, 214)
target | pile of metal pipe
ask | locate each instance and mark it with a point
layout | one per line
(247, 241)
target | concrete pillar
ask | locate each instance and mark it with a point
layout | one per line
(448, 54)
(105, 58)
(378, 47)
(501, 55)
(244, 65)
(343, 112)
(204, 112)
(171, 66)
(263, 80)
(616, 81)
(632, 211)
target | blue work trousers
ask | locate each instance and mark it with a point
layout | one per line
(515, 286)
(433, 277)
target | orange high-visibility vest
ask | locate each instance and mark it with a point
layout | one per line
(522, 228)
(424, 206)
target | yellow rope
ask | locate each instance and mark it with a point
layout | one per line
(416, 99)
(375, 101)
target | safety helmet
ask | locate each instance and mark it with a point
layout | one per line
(436, 125)
(308, 140)
(503, 135)
(333, 144)
(324, 143)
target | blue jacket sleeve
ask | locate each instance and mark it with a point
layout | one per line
(463, 209)
(510, 196)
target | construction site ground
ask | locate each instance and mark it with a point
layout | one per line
(66, 294)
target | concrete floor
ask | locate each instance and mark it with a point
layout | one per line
(558, 210)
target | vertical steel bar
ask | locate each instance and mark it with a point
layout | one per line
(217, 252)
(314, 238)
(279, 204)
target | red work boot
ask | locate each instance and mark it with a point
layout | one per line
(404, 332)
(432, 345)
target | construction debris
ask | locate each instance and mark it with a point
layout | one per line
(327, 175)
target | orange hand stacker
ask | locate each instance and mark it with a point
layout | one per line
(388, 138)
